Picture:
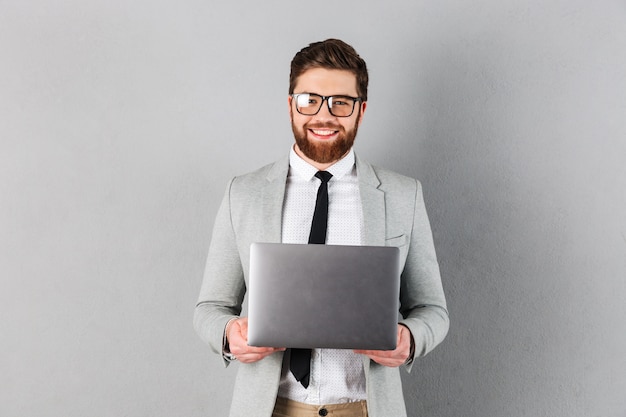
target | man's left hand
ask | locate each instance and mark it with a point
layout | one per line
(396, 357)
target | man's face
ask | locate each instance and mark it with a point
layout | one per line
(325, 138)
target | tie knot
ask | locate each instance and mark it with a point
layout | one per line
(324, 176)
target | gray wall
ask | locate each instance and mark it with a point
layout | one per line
(121, 121)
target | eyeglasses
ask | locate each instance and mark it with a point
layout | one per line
(339, 106)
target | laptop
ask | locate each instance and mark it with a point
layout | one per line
(323, 296)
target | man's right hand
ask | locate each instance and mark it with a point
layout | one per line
(237, 336)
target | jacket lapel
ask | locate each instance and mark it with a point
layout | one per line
(373, 203)
(273, 194)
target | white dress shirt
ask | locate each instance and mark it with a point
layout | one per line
(337, 375)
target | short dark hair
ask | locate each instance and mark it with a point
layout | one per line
(330, 54)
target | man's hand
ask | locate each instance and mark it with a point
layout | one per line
(237, 336)
(392, 358)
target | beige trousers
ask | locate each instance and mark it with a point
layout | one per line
(288, 408)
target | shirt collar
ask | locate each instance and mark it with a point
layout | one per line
(306, 171)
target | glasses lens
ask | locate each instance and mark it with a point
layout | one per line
(308, 104)
(341, 106)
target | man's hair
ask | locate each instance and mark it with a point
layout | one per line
(330, 54)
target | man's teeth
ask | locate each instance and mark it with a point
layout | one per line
(323, 132)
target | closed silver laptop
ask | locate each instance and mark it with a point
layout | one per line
(323, 296)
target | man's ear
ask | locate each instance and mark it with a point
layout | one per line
(289, 101)
(363, 107)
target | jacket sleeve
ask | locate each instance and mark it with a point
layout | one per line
(223, 286)
(422, 301)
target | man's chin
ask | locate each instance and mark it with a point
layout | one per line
(324, 152)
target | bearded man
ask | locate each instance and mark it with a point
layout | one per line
(367, 205)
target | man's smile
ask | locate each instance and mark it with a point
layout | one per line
(323, 133)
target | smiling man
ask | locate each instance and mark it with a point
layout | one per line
(364, 205)
(324, 137)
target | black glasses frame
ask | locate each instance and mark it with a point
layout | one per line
(326, 99)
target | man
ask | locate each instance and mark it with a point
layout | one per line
(366, 206)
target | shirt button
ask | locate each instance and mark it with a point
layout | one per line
(323, 412)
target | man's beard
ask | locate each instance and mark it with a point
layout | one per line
(324, 152)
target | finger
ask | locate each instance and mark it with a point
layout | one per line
(392, 358)
(377, 353)
(243, 328)
(244, 349)
(390, 362)
(255, 355)
(249, 358)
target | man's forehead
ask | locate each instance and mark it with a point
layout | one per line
(327, 82)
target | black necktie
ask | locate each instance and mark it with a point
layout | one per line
(300, 363)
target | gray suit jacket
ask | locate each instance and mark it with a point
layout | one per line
(394, 215)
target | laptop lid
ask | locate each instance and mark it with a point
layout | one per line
(323, 296)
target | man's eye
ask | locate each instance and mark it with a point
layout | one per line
(305, 100)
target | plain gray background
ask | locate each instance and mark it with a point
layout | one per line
(121, 122)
